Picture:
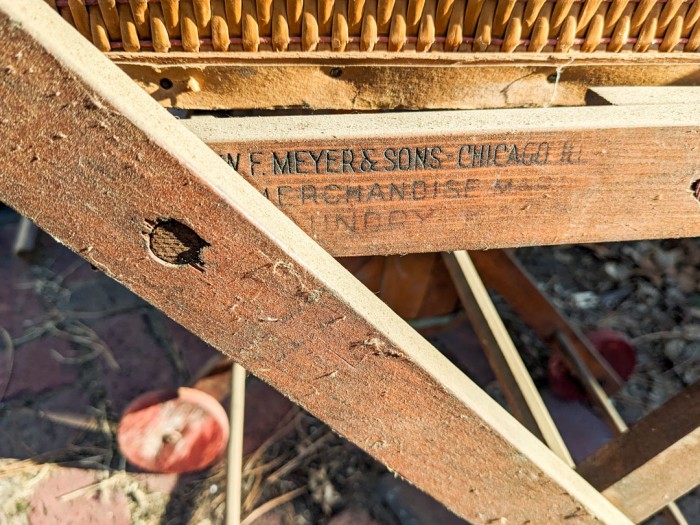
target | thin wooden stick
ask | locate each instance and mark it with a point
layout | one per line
(25, 240)
(523, 398)
(273, 503)
(590, 383)
(673, 514)
(234, 474)
(7, 346)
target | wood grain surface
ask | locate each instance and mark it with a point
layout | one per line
(655, 461)
(97, 163)
(380, 80)
(442, 181)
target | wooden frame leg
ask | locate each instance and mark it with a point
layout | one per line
(646, 467)
(520, 391)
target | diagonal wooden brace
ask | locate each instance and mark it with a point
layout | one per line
(501, 272)
(95, 162)
(654, 462)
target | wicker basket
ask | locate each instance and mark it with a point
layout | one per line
(395, 25)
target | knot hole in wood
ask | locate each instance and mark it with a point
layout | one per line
(175, 243)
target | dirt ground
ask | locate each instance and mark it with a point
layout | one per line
(76, 348)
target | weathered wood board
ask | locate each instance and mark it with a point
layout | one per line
(97, 163)
(442, 181)
(646, 95)
(357, 81)
(656, 461)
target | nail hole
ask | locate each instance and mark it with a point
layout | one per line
(175, 243)
(552, 78)
(695, 188)
(335, 72)
(166, 83)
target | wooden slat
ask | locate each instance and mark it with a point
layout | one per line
(380, 80)
(617, 424)
(502, 273)
(507, 276)
(444, 181)
(656, 461)
(516, 383)
(591, 385)
(673, 515)
(646, 95)
(98, 164)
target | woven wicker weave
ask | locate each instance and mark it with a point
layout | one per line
(396, 25)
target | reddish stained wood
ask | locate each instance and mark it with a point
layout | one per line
(443, 181)
(414, 285)
(442, 297)
(654, 462)
(111, 163)
(405, 283)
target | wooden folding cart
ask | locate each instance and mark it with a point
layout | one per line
(540, 145)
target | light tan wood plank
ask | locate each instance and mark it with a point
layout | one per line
(520, 391)
(647, 95)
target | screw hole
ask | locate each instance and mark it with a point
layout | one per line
(552, 79)
(166, 83)
(335, 72)
(695, 188)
